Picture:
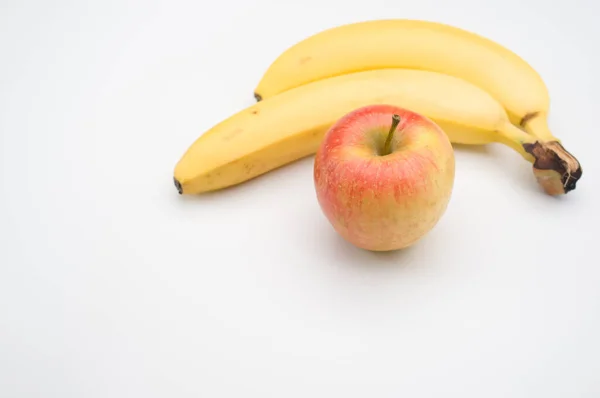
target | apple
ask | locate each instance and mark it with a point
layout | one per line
(383, 176)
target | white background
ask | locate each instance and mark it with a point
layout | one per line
(113, 285)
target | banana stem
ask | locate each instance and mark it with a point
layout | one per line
(388, 141)
(555, 169)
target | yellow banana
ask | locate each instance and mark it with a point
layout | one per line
(291, 125)
(424, 45)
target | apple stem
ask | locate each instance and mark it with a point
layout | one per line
(388, 141)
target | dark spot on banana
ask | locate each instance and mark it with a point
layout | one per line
(527, 118)
(304, 60)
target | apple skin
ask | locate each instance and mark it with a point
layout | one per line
(384, 202)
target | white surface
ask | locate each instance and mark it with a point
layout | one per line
(113, 285)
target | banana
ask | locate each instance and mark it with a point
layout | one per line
(291, 125)
(423, 45)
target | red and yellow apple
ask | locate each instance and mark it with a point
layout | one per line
(384, 183)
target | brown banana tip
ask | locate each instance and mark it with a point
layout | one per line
(555, 168)
(258, 97)
(178, 186)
